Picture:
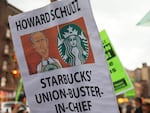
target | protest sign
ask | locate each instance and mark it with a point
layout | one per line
(61, 59)
(145, 21)
(130, 93)
(120, 78)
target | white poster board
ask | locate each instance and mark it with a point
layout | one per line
(61, 59)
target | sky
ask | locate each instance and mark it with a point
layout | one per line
(119, 19)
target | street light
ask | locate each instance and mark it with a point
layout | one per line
(15, 73)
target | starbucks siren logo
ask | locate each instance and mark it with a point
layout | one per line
(73, 45)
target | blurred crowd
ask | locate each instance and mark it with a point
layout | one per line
(19, 106)
(135, 106)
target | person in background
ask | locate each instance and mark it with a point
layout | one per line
(22, 98)
(129, 107)
(120, 108)
(146, 107)
(138, 104)
(18, 108)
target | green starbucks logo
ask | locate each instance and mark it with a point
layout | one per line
(73, 45)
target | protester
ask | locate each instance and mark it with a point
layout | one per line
(22, 98)
(138, 104)
(18, 108)
(120, 108)
(146, 107)
(129, 107)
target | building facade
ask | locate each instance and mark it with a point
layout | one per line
(141, 78)
(9, 73)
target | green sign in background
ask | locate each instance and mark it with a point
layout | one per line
(130, 93)
(120, 79)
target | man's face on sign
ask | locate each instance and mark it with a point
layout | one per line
(40, 44)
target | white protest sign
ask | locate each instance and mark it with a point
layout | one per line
(61, 59)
